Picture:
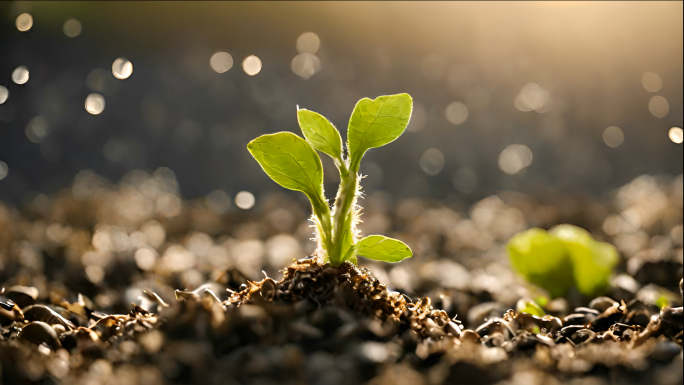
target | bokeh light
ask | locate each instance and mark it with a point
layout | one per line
(308, 42)
(532, 97)
(306, 65)
(95, 104)
(432, 161)
(169, 205)
(514, 158)
(251, 65)
(122, 68)
(221, 62)
(24, 22)
(245, 200)
(651, 82)
(471, 68)
(37, 129)
(4, 170)
(145, 258)
(676, 135)
(456, 113)
(613, 136)
(659, 106)
(4, 94)
(72, 28)
(20, 75)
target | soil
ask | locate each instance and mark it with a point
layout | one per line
(323, 324)
(77, 307)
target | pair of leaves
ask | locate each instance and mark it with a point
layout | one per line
(561, 258)
(293, 162)
(374, 123)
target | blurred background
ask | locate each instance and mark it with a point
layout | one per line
(532, 97)
(123, 160)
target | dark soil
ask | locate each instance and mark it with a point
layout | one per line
(89, 279)
(321, 324)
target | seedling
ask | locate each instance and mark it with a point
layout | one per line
(528, 306)
(293, 163)
(561, 258)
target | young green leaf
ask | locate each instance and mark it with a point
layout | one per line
(592, 261)
(320, 133)
(542, 259)
(530, 307)
(381, 248)
(375, 123)
(291, 162)
(662, 301)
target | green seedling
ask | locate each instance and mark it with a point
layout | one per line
(530, 307)
(561, 258)
(293, 163)
(662, 302)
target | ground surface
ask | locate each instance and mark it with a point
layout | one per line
(129, 284)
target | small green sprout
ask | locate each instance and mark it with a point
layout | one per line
(530, 307)
(293, 163)
(561, 258)
(662, 302)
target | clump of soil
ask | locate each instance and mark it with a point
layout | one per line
(323, 324)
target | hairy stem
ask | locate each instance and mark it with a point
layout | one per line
(343, 217)
(323, 222)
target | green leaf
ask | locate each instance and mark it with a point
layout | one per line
(592, 261)
(291, 162)
(530, 307)
(542, 259)
(320, 133)
(381, 248)
(541, 300)
(375, 123)
(662, 301)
